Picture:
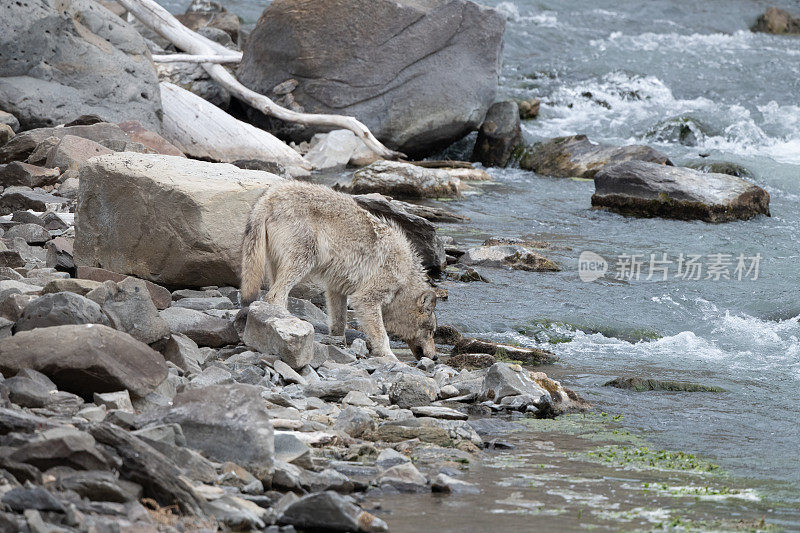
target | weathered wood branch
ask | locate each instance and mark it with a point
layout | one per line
(189, 58)
(162, 22)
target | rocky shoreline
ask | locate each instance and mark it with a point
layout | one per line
(136, 392)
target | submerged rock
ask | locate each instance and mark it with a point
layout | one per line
(649, 384)
(777, 21)
(516, 256)
(645, 189)
(578, 157)
(387, 63)
(503, 351)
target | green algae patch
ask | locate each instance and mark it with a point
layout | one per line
(594, 427)
(646, 458)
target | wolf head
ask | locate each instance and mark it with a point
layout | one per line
(412, 318)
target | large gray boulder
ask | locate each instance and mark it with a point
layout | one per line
(84, 359)
(166, 219)
(578, 157)
(420, 75)
(650, 190)
(60, 60)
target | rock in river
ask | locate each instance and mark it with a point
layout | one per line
(578, 157)
(650, 190)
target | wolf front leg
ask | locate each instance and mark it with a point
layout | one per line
(370, 317)
(337, 312)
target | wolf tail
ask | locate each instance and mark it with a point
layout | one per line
(254, 252)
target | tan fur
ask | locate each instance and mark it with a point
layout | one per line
(298, 230)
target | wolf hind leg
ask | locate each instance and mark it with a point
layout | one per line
(370, 317)
(336, 304)
(288, 274)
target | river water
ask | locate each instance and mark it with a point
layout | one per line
(689, 79)
(628, 72)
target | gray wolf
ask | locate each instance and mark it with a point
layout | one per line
(300, 231)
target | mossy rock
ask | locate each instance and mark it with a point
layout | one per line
(642, 385)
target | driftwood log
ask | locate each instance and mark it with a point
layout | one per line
(204, 131)
(162, 22)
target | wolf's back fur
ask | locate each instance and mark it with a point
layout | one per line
(299, 230)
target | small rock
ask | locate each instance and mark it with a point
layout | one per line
(59, 309)
(330, 511)
(72, 152)
(288, 374)
(404, 477)
(777, 21)
(434, 411)
(333, 149)
(445, 483)
(577, 156)
(357, 399)
(409, 390)
(160, 296)
(354, 421)
(204, 329)
(271, 329)
(646, 189)
(130, 309)
(502, 380)
(389, 458)
(183, 352)
(499, 135)
(18, 173)
(643, 384)
(114, 400)
(61, 447)
(78, 286)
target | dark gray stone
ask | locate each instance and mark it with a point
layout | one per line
(498, 136)
(420, 232)
(329, 511)
(59, 309)
(130, 309)
(228, 423)
(204, 329)
(85, 359)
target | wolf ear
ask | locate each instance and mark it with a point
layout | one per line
(427, 300)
